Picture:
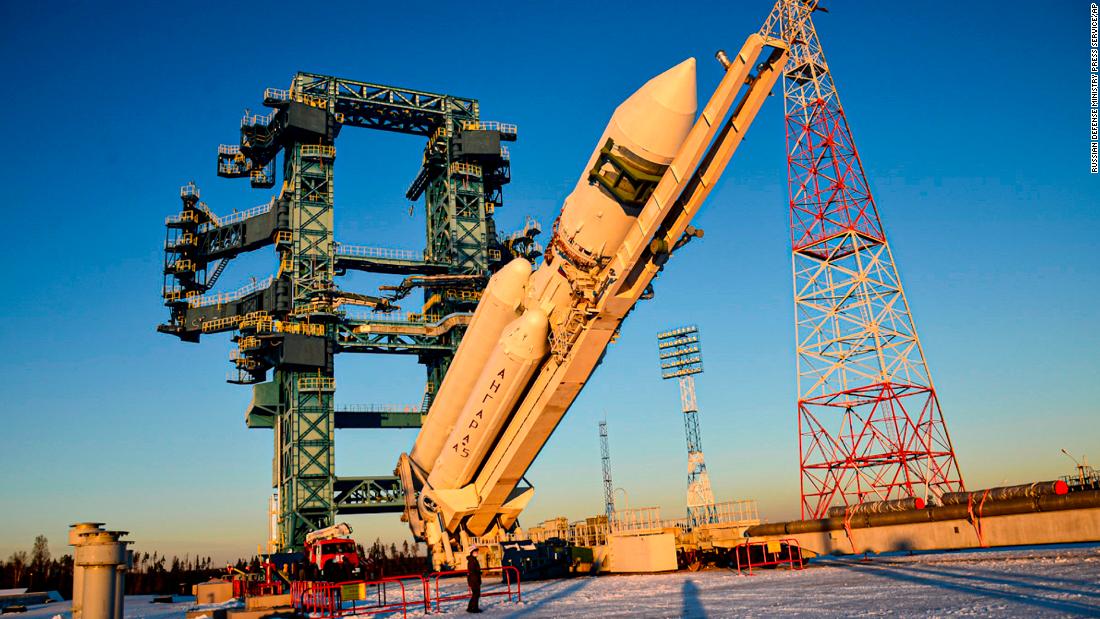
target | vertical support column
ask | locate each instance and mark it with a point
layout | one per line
(304, 430)
(76, 531)
(120, 584)
(102, 557)
(457, 229)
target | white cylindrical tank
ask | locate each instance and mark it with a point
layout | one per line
(500, 304)
(100, 556)
(511, 364)
(647, 130)
(76, 533)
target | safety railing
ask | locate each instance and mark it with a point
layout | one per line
(507, 571)
(318, 150)
(238, 216)
(206, 211)
(248, 342)
(229, 149)
(316, 383)
(190, 190)
(442, 131)
(637, 521)
(322, 600)
(187, 216)
(391, 317)
(380, 408)
(490, 125)
(362, 251)
(744, 511)
(301, 328)
(276, 94)
(186, 239)
(768, 553)
(221, 298)
(465, 169)
(218, 324)
(182, 265)
(505, 154)
(254, 120)
(252, 319)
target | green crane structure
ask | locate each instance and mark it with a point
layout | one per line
(295, 321)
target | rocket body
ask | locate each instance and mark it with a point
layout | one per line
(507, 391)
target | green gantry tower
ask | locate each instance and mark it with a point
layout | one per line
(289, 326)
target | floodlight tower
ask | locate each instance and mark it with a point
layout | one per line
(681, 358)
(605, 458)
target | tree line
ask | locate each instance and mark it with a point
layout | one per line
(160, 574)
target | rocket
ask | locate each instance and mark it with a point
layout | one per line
(536, 336)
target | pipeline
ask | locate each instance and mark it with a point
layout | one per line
(877, 507)
(1023, 505)
(1004, 493)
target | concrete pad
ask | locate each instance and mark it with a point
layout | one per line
(260, 602)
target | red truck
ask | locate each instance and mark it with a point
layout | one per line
(331, 554)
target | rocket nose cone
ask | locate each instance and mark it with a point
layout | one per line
(675, 88)
(659, 115)
(527, 336)
(510, 282)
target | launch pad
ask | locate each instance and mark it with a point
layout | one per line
(510, 336)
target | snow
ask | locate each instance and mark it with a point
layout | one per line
(1049, 581)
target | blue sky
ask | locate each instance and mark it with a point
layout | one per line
(971, 122)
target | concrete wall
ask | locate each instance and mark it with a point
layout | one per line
(1056, 527)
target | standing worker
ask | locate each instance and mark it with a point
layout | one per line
(473, 578)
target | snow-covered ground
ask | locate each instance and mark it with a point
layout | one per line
(1040, 581)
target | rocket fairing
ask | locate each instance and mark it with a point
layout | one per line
(647, 129)
(509, 386)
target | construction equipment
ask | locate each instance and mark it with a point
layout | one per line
(331, 553)
(536, 338)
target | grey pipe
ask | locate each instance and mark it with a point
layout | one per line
(1043, 503)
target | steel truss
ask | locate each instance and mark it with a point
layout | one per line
(293, 323)
(870, 425)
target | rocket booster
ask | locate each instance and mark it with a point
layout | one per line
(505, 375)
(500, 305)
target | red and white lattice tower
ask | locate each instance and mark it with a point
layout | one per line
(869, 423)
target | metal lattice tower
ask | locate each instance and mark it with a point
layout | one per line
(295, 321)
(605, 460)
(681, 358)
(870, 425)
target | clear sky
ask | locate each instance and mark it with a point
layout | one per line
(971, 119)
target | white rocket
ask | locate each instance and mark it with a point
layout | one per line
(536, 337)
